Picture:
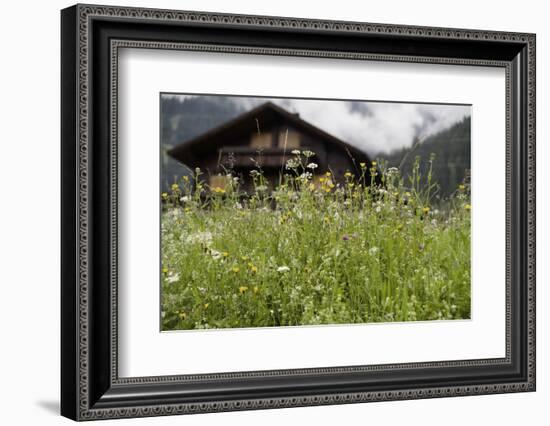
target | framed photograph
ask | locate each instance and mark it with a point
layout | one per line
(263, 212)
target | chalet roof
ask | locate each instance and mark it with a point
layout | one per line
(191, 151)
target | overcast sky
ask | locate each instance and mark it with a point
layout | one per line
(375, 127)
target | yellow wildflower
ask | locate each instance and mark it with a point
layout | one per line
(243, 289)
(253, 269)
(426, 210)
(175, 187)
(225, 254)
(461, 187)
(186, 178)
(206, 305)
(373, 163)
(362, 165)
(256, 289)
(165, 270)
(182, 315)
(328, 174)
(164, 195)
(468, 207)
(322, 180)
(235, 269)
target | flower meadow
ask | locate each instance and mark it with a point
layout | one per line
(375, 247)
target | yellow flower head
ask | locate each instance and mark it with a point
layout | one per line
(253, 269)
(348, 174)
(225, 254)
(468, 207)
(373, 163)
(206, 305)
(245, 258)
(182, 315)
(426, 210)
(461, 187)
(164, 195)
(165, 270)
(362, 165)
(328, 174)
(256, 289)
(243, 289)
(175, 187)
(186, 178)
(322, 180)
(235, 269)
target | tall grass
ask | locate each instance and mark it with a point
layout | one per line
(314, 251)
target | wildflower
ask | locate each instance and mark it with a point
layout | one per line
(306, 176)
(348, 174)
(426, 210)
(373, 163)
(219, 190)
(216, 255)
(185, 198)
(392, 171)
(312, 166)
(346, 238)
(378, 209)
(292, 163)
(235, 269)
(256, 289)
(362, 165)
(185, 178)
(261, 188)
(253, 269)
(328, 174)
(244, 258)
(172, 278)
(175, 187)
(225, 254)
(164, 270)
(308, 154)
(468, 207)
(182, 315)
(254, 173)
(373, 250)
(164, 195)
(296, 151)
(206, 305)
(461, 187)
(243, 289)
(238, 206)
(311, 187)
(283, 269)
(204, 238)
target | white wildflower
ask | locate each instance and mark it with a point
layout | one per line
(312, 166)
(185, 198)
(296, 151)
(172, 278)
(216, 255)
(283, 269)
(373, 250)
(307, 153)
(378, 209)
(306, 176)
(204, 238)
(261, 188)
(238, 206)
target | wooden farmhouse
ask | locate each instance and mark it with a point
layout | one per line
(266, 135)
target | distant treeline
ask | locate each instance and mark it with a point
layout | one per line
(451, 165)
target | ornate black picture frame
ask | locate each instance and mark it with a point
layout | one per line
(91, 36)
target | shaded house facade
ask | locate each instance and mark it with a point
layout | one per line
(266, 136)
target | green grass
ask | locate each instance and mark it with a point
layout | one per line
(314, 253)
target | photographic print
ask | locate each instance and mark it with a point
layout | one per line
(298, 212)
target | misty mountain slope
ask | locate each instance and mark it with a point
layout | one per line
(452, 151)
(184, 119)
